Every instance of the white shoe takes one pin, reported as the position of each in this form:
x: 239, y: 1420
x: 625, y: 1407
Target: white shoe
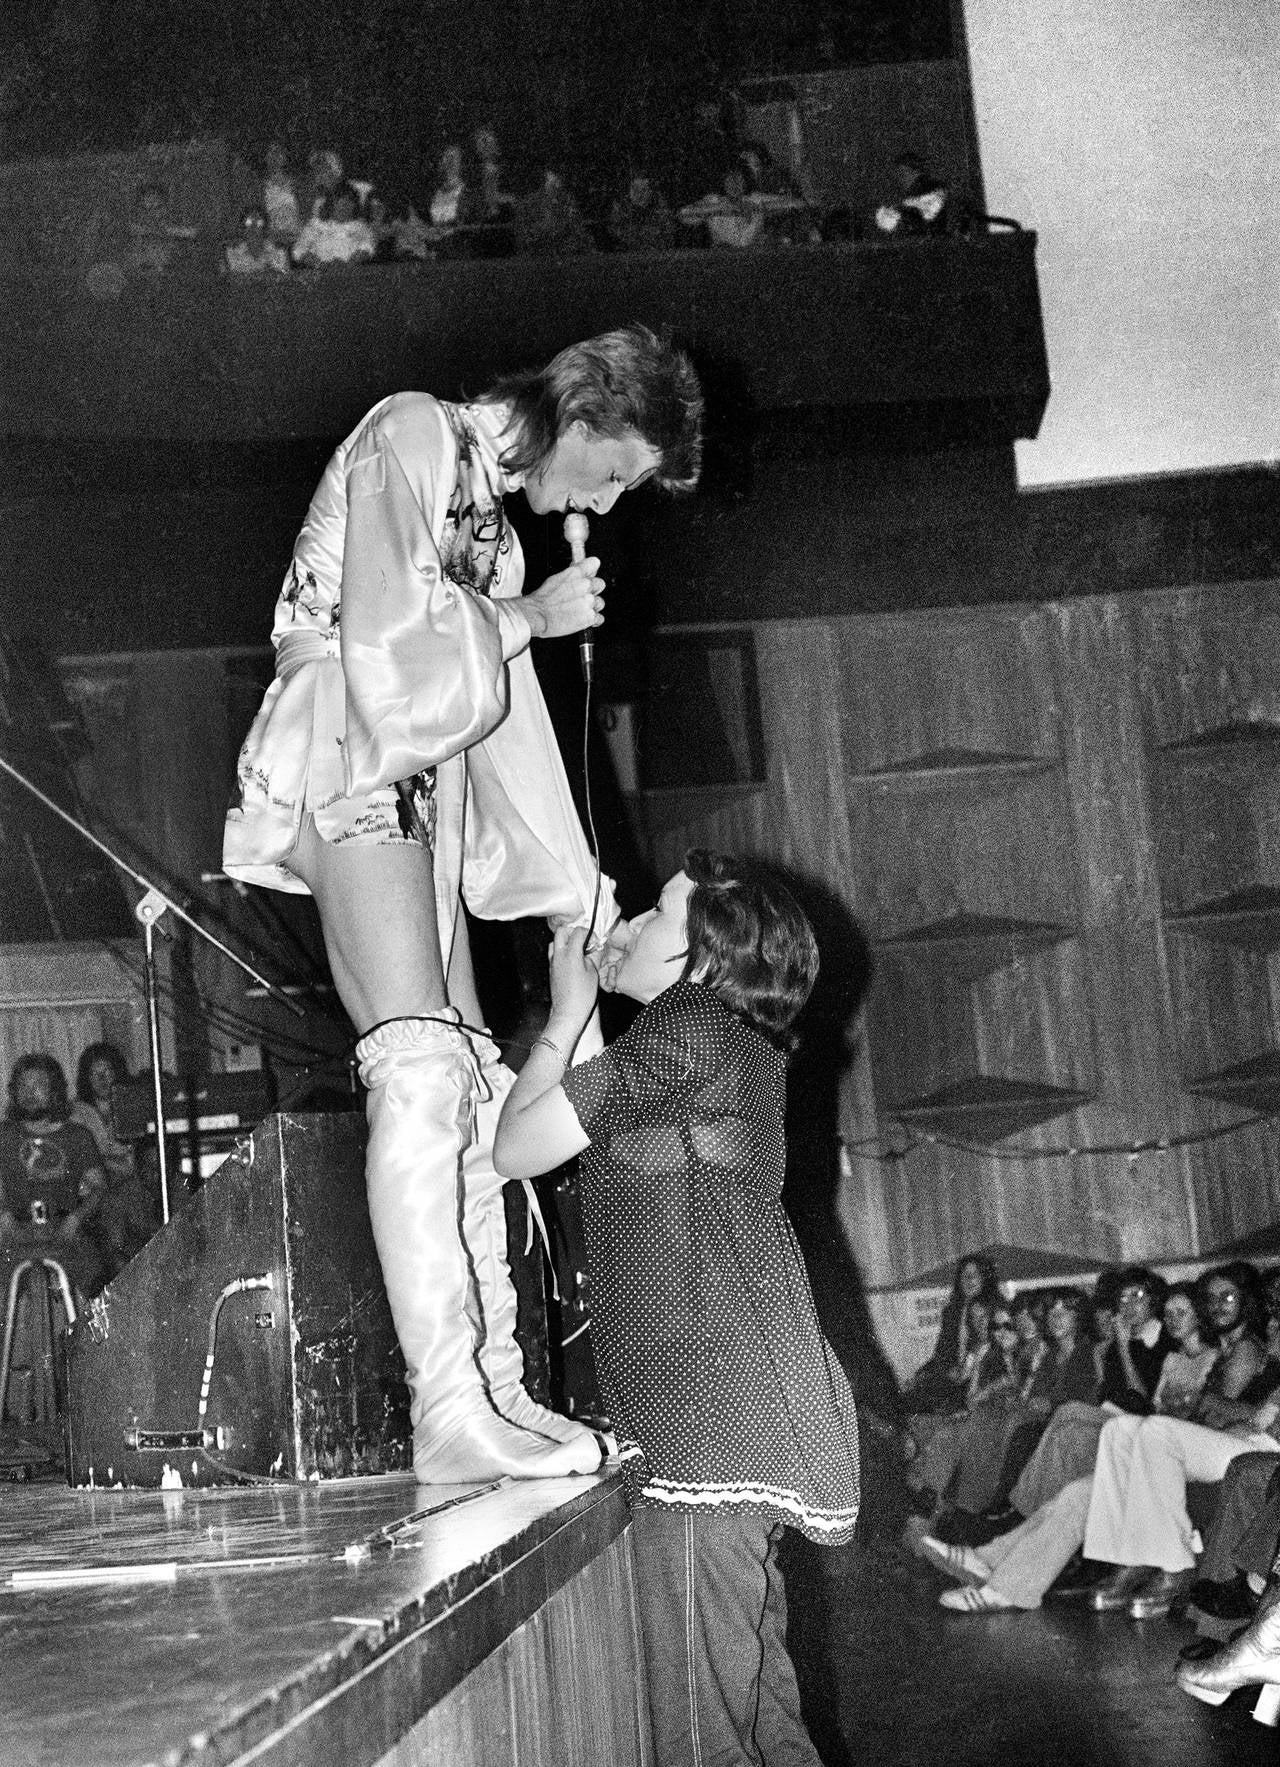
x: 976, y: 1601
x: 960, y: 1562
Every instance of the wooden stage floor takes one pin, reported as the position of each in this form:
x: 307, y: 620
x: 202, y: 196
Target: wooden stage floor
x: 374, y: 1621
x: 302, y: 1623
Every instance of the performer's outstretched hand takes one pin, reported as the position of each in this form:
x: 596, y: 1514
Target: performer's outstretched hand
x: 569, y: 602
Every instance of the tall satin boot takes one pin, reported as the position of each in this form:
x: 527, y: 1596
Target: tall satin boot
x: 422, y: 1084
x: 1251, y: 1660
x: 485, y: 1232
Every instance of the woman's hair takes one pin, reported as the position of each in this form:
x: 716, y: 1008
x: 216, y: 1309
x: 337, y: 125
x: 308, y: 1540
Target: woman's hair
x: 94, y: 1053
x: 1247, y: 1278
x: 986, y: 1269
x: 749, y: 942
x: 27, y: 1064
x: 1031, y: 1301
x: 1073, y: 1298
x: 625, y: 381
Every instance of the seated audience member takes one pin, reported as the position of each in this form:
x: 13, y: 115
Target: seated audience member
x: 991, y: 1463
x: 708, y: 152
x: 787, y: 214
x: 51, y: 1176
x: 448, y: 205
x: 1242, y: 1539
x: 280, y: 201
x: 729, y: 216
x: 922, y: 202
x: 1131, y: 1514
x: 493, y: 202
x: 410, y: 235
x: 1004, y: 1372
x: 1236, y: 1308
x: 549, y: 223
x: 929, y: 1437
x: 640, y: 221
x: 1052, y: 1365
x: 337, y: 235
x: 255, y: 253
x: 324, y: 175
x: 126, y: 1218
x: 1130, y: 1367
x: 377, y: 217
x: 100, y: 1070
x: 1243, y: 1536
x: 938, y: 1384
x: 154, y: 237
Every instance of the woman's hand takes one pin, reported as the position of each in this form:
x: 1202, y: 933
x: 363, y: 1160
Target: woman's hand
x: 609, y: 956
x: 570, y: 601
x: 574, y: 981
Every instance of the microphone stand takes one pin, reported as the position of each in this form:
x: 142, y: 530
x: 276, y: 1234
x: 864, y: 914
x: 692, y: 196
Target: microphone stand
x: 149, y: 911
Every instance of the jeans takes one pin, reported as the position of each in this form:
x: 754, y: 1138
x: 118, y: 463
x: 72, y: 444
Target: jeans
x: 713, y: 1613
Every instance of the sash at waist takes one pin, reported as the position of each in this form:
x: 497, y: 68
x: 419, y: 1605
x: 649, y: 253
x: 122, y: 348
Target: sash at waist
x: 305, y: 646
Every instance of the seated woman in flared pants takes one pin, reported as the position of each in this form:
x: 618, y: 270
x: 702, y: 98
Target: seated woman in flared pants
x: 1131, y: 1514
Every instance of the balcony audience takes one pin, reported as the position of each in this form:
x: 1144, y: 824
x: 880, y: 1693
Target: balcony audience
x: 448, y: 206
x: 639, y: 219
x: 549, y: 223
x: 922, y: 204
x: 280, y: 202
x: 155, y: 239
x: 255, y: 252
x: 337, y: 234
x: 728, y: 216
x: 324, y: 175
x: 493, y: 202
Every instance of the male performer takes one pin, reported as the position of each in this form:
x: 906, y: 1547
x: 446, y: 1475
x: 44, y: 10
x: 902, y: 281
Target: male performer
x: 402, y: 760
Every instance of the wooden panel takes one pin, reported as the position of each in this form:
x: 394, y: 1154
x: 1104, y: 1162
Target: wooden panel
x: 565, y: 1690
x: 1024, y: 797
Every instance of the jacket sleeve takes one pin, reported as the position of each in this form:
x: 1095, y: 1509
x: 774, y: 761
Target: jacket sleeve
x: 422, y: 658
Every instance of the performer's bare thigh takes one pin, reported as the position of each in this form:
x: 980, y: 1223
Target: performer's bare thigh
x: 378, y: 913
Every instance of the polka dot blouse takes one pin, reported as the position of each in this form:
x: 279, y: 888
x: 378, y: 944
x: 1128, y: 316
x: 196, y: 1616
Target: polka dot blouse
x: 720, y: 1386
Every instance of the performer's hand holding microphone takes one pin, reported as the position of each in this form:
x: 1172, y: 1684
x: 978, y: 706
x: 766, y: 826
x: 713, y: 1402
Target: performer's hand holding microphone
x: 575, y: 532
x: 572, y: 599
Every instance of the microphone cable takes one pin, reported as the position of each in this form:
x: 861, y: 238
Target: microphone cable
x: 575, y: 533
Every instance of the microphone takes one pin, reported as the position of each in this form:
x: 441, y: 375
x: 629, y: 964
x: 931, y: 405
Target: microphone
x: 575, y: 532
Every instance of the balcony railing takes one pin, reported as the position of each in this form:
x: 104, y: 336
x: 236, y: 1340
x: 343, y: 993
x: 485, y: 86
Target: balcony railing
x: 196, y: 356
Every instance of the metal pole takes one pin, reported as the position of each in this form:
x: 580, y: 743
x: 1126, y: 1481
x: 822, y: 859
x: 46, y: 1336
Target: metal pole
x: 148, y: 913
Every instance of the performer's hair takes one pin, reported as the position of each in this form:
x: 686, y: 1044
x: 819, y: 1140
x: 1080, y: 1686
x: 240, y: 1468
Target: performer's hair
x: 749, y: 942
x: 629, y: 380
x: 59, y: 1103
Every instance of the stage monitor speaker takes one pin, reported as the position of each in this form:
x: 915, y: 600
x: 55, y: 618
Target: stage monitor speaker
x: 251, y: 1336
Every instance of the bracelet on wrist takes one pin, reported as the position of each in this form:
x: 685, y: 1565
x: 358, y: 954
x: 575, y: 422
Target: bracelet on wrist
x: 554, y: 1048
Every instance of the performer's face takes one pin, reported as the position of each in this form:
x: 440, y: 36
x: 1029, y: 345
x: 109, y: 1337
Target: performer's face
x: 646, y: 955
x: 589, y: 472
